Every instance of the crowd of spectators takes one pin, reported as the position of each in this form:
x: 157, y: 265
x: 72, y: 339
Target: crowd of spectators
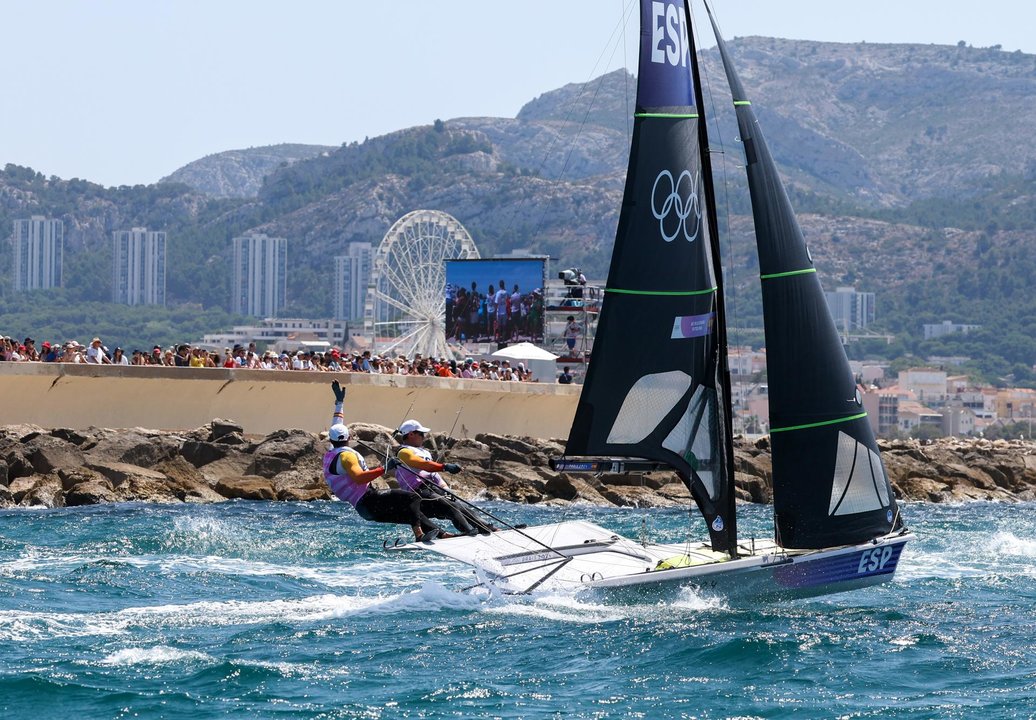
x: 241, y: 356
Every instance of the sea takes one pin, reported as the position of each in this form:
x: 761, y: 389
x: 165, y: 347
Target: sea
x: 285, y: 610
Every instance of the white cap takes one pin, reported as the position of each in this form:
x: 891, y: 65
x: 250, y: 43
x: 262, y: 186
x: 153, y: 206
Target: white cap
x: 338, y: 433
x: 412, y: 426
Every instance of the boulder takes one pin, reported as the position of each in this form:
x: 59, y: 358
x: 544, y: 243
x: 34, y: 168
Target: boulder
x: 69, y: 435
x: 235, y: 464
x: 119, y: 472
x: 220, y: 428
x: 298, y: 479
x: 269, y: 466
x: 247, y: 487
x: 16, y: 462
x: 48, y: 454
x: 137, y: 447
x: 574, y: 488
x: 203, y: 452
x: 94, y: 491
x: 634, y: 496
x: 45, y: 492
x: 282, y: 450
x: 186, y: 482
x: 70, y: 477
x: 297, y: 494
x: 22, y: 485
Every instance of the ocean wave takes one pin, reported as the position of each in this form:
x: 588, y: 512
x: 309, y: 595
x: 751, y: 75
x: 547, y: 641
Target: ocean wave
x: 158, y: 655
x: 1010, y: 545
x: 22, y: 626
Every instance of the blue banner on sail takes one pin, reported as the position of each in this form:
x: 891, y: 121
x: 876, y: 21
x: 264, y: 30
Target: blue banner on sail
x: 665, y: 76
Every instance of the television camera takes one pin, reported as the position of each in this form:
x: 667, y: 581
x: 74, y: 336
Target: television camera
x: 574, y: 280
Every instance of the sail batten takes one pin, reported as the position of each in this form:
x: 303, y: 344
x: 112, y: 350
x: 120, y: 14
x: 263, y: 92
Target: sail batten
x: 660, y: 293
x: 810, y: 426
x: 787, y: 273
x: 679, y: 116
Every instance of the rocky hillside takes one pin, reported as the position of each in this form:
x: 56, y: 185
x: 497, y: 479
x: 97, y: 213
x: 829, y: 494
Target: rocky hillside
x: 240, y: 173
x: 216, y: 462
x: 906, y: 162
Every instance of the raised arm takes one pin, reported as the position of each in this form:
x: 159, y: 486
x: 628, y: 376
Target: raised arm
x: 339, y: 391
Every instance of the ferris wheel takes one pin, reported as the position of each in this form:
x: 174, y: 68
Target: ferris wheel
x: 406, y: 300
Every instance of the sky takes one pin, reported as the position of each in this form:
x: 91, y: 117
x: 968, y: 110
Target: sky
x: 124, y: 92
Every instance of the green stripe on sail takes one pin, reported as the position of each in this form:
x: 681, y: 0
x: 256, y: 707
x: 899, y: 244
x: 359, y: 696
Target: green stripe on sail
x: 675, y: 116
x: 660, y: 293
x: 773, y: 276
x: 820, y: 424
x: 741, y: 102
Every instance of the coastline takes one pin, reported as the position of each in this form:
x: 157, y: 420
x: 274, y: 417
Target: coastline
x: 219, y: 461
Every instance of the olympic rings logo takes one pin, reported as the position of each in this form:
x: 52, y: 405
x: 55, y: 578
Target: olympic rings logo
x: 681, y: 202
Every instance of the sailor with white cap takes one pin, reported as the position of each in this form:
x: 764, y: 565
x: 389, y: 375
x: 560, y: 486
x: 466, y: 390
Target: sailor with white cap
x: 346, y: 473
x: 418, y: 472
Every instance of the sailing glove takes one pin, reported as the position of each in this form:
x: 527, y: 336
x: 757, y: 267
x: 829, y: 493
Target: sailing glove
x: 451, y: 468
x: 338, y: 390
x: 392, y: 464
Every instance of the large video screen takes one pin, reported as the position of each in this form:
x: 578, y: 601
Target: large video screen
x: 497, y: 300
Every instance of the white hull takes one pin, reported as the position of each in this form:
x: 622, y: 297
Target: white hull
x: 581, y: 555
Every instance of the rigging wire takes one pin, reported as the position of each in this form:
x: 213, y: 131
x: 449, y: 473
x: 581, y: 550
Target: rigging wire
x: 729, y: 267
x: 612, y: 42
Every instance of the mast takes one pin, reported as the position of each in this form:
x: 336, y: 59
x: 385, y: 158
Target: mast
x: 725, y: 407
x: 654, y: 388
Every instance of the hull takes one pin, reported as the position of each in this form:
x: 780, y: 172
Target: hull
x: 582, y: 556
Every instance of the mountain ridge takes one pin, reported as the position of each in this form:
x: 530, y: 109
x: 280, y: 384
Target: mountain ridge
x: 898, y: 181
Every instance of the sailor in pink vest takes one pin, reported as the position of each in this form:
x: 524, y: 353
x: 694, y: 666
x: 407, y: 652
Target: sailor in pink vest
x: 418, y: 472
x: 349, y: 478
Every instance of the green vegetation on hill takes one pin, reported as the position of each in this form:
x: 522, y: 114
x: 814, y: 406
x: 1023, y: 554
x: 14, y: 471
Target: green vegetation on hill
x: 906, y: 192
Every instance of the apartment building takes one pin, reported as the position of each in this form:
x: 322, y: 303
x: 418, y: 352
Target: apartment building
x: 138, y: 267
x: 260, y: 275
x: 38, y: 244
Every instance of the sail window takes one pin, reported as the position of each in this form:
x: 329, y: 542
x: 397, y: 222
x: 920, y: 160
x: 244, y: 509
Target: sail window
x: 692, y: 438
x: 650, y: 399
x: 859, y: 481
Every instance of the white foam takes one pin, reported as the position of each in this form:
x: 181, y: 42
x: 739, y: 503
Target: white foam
x: 1009, y: 544
x: 158, y: 655
x: 431, y: 597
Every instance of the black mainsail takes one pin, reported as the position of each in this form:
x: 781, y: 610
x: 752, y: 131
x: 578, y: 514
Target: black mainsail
x: 656, y: 385
x: 830, y: 486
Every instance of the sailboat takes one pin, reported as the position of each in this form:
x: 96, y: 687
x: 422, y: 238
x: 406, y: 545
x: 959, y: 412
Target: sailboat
x: 657, y: 392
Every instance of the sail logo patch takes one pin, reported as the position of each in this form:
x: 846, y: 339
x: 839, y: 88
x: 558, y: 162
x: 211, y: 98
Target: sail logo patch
x: 692, y: 326
x: 668, y: 38
x: 675, y: 205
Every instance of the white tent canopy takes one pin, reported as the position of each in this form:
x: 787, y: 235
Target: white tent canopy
x: 540, y: 362
x: 525, y: 351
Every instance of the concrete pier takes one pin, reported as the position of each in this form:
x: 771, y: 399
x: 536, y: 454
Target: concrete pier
x: 81, y: 396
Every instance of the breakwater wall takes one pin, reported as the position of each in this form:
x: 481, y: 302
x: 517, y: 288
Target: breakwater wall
x: 262, y: 401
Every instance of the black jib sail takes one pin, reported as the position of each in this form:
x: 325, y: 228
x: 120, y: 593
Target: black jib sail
x: 830, y: 487
x: 654, y: 385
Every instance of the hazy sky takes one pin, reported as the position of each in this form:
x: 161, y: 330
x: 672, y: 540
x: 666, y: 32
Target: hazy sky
x: 122, y: 92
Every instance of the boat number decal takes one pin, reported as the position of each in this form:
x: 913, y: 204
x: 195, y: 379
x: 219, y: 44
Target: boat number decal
x: 677, y: 199
x: 874, y: 560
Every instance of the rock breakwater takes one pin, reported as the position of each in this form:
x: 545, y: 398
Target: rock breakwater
x: 218, y: 462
